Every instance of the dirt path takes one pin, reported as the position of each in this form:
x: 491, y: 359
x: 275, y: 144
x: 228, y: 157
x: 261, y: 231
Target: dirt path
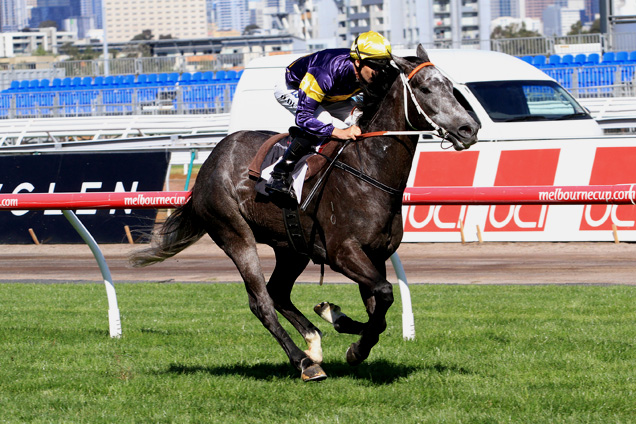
x: 436, y: 263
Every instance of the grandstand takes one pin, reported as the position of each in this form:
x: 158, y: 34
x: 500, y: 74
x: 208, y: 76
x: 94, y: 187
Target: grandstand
x: 591, y: 75
x: 155, y: 93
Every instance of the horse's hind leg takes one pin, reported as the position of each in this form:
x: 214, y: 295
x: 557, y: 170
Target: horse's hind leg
x: 289, y: 265
x: 239, y: 244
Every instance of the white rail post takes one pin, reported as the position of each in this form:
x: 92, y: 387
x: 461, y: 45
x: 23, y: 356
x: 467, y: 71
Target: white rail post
x: 408, y: 321
x: 114, y: 321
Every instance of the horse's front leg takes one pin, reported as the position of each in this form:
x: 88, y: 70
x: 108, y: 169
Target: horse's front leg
x: 377, y: 294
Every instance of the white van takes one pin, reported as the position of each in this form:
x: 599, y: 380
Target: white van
x: 512, y: 99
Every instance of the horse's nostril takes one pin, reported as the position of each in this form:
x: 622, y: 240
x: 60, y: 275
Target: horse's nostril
x: 466, y: 131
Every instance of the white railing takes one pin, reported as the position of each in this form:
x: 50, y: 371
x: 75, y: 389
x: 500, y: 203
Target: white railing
x: 54, y: 132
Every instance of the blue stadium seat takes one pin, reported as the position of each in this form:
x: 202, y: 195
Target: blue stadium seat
x: 24, y: 85
x: 55, y: 84
x: 592, y: 59
x: 567, y: 59
x: 196, y: 78
x: 66, y: 83
x: 579, y: 59
x: 152, y: 79
x: 231, y: 76
x: 555, y: 60
x: 34, y: 85
x: 220, y: 75
x: 539, y: 60
x: 608, y: 58
x: 98, y: 82
x: 208, y: 77
x: 86, y: 82
x: 109, y: 82
x: 15, y: 86
x: 632, y: 57
x: 128, y: 81
x: 76, y: 82
x: 162, y: 79
x: 142, y: 80
x: 173, y: 78
x: 622, y: 57
x: 527, y: 59
x: 44, y: 84
x: 185, y: 78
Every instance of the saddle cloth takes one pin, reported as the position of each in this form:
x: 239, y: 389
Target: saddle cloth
x: 272, y: 150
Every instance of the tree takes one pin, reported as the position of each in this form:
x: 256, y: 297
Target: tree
x: 513, y: 30
x: 577, y: 28
x: 48, y: 24
x: 145, y: 35
x: 74, y: 52
x: 166, y: 37
x: 250, y: 29
x: 40, y: 51
x: 70, y: 50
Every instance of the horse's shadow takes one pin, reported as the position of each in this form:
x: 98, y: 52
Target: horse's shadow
x: 379, y: 372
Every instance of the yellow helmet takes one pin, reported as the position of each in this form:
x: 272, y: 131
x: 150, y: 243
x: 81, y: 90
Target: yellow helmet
x: 370, y: 45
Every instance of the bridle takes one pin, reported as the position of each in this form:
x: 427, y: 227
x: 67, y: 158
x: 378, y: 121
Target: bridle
x: 408, y: 92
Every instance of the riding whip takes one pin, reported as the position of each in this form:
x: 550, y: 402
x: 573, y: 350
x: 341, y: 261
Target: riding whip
x: 315, y: 188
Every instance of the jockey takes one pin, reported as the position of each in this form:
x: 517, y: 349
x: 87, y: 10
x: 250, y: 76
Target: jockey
x: 318, y: 89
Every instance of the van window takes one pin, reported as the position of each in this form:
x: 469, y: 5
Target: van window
x: 511, y: 101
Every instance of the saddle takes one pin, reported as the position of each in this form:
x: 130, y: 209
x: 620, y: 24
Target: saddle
x: 269, y: 153
x: 274, y: 147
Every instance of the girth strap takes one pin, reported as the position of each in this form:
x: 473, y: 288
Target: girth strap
x: 291, y: 218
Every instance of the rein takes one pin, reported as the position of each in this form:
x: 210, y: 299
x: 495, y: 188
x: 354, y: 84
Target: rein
x: 359, y: 174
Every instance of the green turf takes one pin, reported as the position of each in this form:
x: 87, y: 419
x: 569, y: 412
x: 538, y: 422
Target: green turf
x: 193, y: 353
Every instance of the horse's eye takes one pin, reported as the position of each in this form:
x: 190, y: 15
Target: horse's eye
x: 425, y: 90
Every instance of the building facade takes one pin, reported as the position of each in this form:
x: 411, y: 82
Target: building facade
x: 231, y: 15
x: 177, y: 18
x: 26, y: 43
x: 436, y: 23
x: 13, y: 15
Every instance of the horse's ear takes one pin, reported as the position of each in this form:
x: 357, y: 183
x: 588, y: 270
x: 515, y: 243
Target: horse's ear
x: 421, y: 53
x: 401, y: 62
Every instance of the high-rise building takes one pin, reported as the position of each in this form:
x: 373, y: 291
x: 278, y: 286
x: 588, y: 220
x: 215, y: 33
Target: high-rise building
x: 507, y: 8
x: 13, y: 15
x: 53, y: 10
x: 535, y: 8
x: 177, y: 18
x: 231, y: 15
x: 451, y: 23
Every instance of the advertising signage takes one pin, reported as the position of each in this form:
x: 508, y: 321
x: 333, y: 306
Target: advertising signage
x: 80, y: 173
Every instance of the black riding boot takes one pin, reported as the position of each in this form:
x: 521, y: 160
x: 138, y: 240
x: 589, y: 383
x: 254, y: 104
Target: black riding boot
x: 280, y: 179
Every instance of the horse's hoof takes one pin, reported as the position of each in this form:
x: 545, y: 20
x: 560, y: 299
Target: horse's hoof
x: 352, y: 359
x: 328, y: 311
x: 313, y: 373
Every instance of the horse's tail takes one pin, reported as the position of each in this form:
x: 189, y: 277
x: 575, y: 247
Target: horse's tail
x: 180, y: 230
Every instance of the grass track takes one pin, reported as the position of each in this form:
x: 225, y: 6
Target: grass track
x: 193, y: 353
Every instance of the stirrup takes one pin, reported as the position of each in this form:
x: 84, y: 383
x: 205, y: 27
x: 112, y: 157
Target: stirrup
x: 278, y: 185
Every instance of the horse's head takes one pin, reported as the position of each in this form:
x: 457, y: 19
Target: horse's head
x: 431, y: 103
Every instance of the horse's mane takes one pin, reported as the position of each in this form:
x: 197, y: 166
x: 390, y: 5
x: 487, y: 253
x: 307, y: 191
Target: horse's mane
x: 374, y: 93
